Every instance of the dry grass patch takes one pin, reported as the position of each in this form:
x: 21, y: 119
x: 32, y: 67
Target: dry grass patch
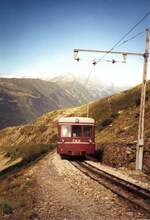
x: 16, y: 199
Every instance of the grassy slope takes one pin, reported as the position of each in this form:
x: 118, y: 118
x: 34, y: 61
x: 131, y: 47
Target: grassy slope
x: 16, y: 196
x: 116, y: 131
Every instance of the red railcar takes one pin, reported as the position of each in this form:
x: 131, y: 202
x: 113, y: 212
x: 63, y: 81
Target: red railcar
x: 76, y: 136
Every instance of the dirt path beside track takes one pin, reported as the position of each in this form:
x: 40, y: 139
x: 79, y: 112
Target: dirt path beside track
x: 63, y: 192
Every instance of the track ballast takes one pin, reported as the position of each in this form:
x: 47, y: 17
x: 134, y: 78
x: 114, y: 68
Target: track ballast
x: 130, y: 191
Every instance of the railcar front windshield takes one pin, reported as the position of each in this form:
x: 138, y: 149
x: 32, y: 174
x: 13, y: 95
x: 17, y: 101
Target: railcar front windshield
x: 76, y: 131
x: 87, y: 131
x: 66, y: 131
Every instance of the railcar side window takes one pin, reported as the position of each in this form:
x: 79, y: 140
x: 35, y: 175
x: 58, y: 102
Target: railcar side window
x: 76, y: 131
x: 87, y: 131
x: 65, y: 131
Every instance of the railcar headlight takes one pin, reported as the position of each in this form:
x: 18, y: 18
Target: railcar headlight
x: 90, y: 141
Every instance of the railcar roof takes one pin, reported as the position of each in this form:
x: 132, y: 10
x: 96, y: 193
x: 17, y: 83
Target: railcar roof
x: 76, y: 120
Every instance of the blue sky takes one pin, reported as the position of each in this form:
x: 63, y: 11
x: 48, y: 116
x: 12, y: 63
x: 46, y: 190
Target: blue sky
x: 37, y: 37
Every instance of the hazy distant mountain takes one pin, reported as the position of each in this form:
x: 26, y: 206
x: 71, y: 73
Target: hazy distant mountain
x: 24, y: 99
x: 95, y: 87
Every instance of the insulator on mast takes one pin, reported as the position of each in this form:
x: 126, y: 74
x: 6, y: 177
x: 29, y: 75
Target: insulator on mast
x: 94, y: 63
x: 77, y: 59
x: 75, y: 54
x: 113, y: 61
x: 124, y: 57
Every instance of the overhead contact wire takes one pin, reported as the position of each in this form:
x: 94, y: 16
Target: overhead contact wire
x: 124, y: 36
x: 132, y: 38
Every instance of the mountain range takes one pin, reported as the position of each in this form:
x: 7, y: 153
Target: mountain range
x: 22, y: 100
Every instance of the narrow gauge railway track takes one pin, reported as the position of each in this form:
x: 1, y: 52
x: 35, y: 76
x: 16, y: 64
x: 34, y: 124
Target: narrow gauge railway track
x: 130, y: 191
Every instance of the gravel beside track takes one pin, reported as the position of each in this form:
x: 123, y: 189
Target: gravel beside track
x: 64, y: 192
x: 129, y: 175
x: 127, y: 190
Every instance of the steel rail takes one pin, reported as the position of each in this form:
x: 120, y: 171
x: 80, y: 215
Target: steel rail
x: 127, y: 190
x: 137, y: 188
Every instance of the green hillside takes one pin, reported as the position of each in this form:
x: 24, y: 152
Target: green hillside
x: 116, y: 128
